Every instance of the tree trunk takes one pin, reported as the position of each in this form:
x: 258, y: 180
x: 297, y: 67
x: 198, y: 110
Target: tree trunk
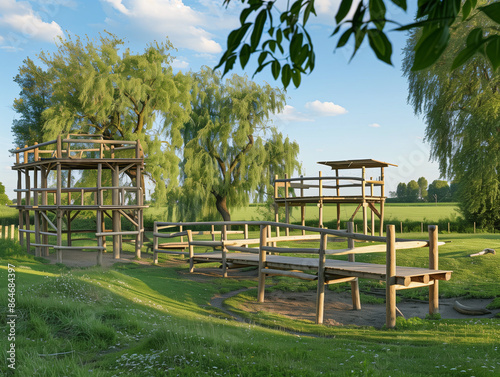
x: 220, y: 202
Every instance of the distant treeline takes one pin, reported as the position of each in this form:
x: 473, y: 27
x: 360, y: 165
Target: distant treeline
x: 421, y: 191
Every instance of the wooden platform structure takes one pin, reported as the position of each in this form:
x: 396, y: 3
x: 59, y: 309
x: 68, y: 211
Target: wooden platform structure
x: 324, y: 190
x: 61, y: 159
x: 265, y: 253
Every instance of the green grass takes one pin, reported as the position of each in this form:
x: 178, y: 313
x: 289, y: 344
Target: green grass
x: 135, y: 320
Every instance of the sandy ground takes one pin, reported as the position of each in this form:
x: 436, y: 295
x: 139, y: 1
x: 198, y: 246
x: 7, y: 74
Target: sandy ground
x: 296, y: 305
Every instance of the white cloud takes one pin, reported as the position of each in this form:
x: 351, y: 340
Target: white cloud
x: 19, y: 22
x: 179, y: 63
x: 290, y: 114
x: 374, y: 125
x: 325, y: 108
x: 184, y: 26
x: 118, y: 5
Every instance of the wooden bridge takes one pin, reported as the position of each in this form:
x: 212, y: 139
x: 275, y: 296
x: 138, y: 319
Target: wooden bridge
x: 265, y: 253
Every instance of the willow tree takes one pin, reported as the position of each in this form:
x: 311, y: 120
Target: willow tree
x: 461, y: 108
x: 225, y: 148
x: 33, y: 100
x: 99, y: 87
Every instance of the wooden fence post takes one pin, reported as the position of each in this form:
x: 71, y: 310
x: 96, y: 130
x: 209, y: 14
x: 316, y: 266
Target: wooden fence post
x: 155, y: 243
x: 433, y: 265
x: 320, y: 294
x: 191, y: 250
x: 224, y: 250
x: 356, y: 301
x: 262, y: 263
x: 390, y: 289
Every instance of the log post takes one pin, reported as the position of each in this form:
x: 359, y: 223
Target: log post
x: 302, y: 206
x: 363, y: 189
x: 382, y: 201
x: 287, y: 208
x: 320, y: 193
x: 262, y: 263
x: 320, y: 294
x: 191, y: 250
x: 390, y: 288
x: 37, y: 213
x: 224, y: 250
x: 338, y: 194
x: 155, y: 243
x: 276, y: 206
x: 59, y: 212
x: 245, y: 233
x: 356, y: 300
x: 115, y: 199
x: 433, y: 265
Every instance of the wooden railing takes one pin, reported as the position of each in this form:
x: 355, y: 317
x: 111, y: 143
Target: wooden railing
x: 72, y: 148
x: 315, y: 186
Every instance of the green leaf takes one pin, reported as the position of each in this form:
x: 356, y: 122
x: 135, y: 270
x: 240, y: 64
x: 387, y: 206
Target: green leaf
x: 245, y: 55
x: 235, y: 37
x: 307, y: 12
x: 475, y: 36
x: 296, y: 44
x: 262, y: 57
x: 377, y: 13
x: 400, y: 3
x: 229, y: 63
x: 466, y: 9
x: 493, y: 51
x: 380, y: 45
x: 344, y: 38
x: 492, y: 11
x: 463, y: 56
x: 286, y: 75
x: 429, y: 49
x: 258, y: 28
x: 296, y: 76
x: 275, y: 68
x: 344, y: 8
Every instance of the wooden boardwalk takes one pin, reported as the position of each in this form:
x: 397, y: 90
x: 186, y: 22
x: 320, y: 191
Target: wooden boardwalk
x: 406, y: 277
x: 272, y: 260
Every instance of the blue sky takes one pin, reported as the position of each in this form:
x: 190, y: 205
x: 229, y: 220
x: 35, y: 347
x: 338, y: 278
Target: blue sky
x: 341, y: 111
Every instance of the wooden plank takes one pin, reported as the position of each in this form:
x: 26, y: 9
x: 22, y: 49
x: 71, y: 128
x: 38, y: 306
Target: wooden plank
x: 163, y: 251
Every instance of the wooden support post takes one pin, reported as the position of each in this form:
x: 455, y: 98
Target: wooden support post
x: 365, y: 204
x: 36, y: 156
x: 155, y: 243
x: 320, y: 294
x: 45, y: 225
x: 99, y: 220
x: 262, y: 263
x: 213, y: 232
x: 433, y: 265
x: 191, y: 250
x: 37, y: 213
x: 59, y: 211
x: 245, y: 232
x: 139, y: 198
x: 19, y: 203
x: 68, y: 213
x: 276, y: 206
x: 224, y: 250
x: 287, y: 209
x: 115, y: 199
x: 390, y: 289
x: 320, y: 200
x: 12, y: 232
x: 338, y: 194
x: 27, y: 202
x: 356, y: 301
x: 302, y: 206
x: 382, y: 201
x: 372, y: 215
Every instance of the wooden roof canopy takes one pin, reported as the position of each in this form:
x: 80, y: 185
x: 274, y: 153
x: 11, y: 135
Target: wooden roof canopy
x: 356, y: 164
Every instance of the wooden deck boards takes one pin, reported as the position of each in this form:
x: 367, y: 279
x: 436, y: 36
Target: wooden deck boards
x: 332, y: 266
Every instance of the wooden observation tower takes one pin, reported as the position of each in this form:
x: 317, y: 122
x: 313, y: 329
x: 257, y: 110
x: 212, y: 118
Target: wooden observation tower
x: 54, y: 208
x: 368, y: 194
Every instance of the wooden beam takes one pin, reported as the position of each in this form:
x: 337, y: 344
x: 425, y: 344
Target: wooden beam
x: 390, y: 288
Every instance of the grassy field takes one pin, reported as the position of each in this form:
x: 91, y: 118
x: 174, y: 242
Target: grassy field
x: 137, y: 320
